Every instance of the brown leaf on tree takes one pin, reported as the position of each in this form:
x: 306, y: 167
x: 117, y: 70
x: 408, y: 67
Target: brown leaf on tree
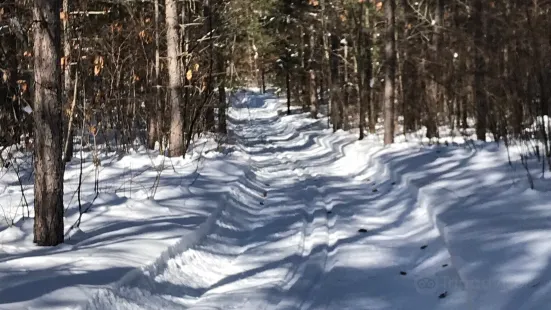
x: 23, y: 85
x: 98, y: 65
x: 93, y: 130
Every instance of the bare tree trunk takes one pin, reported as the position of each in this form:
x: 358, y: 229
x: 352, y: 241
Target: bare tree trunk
x: 68, y: 151
x: 364, y: 67
x: 326, y: 63
x: 174, y: 76
x: 390, y: 70
x: 334, y: 86
x: 434, y: 90
x: 312, y: 73
x: 154, y: 130
x: 222, y: 128
x: 10, y: 113
x: 479, y: 63
x: 48, y: 134
x: 209, y: 109
x: 263, y: 77
x: 288, y: 84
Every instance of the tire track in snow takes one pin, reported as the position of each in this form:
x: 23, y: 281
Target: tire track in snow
x: 186, y: 274
x: 305, y: 219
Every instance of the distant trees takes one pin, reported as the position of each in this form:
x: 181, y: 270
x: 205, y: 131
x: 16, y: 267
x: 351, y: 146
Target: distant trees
x: 463, y: 64
x: 153, y: 72
x: 160, y: 72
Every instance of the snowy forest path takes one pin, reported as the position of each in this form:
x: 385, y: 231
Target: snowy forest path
x: 308, y: 225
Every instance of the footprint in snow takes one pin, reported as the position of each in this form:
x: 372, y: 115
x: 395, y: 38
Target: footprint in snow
x: 443, y: 295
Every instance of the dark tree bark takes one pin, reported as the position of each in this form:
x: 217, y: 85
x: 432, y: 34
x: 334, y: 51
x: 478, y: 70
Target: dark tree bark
x: 154, y: 131
x: 365, y: 68
x: 480, y: 67
x: 209, y: 109
x: 48, y: 132
x: 434, y: 89
x: 10, y: 112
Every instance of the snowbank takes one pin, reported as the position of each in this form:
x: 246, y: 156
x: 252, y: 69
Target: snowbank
x: 494, y: 226
x: 125, y: 232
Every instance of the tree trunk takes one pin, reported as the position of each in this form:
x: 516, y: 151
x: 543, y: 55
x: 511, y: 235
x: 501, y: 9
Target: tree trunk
x: 479, y: 64
x: 48, y: 133
x: 325, y: 70
x: 222, y: 128
x: 67, y: 90
x: 434, y: 89
x: 364, y: 67
x: 10, y: 112
x: 334, y: 84
x: 174, y: 76
x: 263, y: 77
x: 390, y: 70
x: 288, y: 84
x: 209, y: 109
x: 312, y: 74
x: 154, y: 130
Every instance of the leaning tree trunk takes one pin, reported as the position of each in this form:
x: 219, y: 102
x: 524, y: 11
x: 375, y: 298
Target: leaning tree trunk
x: 390, y: 70
x: 174, y: 76
x: 67, y: 83
x: 48, y: 132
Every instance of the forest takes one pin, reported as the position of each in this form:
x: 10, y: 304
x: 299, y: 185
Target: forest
x: 275, y: 154
x: 159, y: 73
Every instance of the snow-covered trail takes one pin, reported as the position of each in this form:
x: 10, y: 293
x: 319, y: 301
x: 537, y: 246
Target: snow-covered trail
x: 291, y: 233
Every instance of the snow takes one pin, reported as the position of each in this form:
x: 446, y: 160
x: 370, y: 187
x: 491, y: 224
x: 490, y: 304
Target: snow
x: 293, y: 216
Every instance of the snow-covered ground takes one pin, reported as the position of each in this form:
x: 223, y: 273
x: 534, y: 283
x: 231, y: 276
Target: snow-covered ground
x: 292, y: 216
